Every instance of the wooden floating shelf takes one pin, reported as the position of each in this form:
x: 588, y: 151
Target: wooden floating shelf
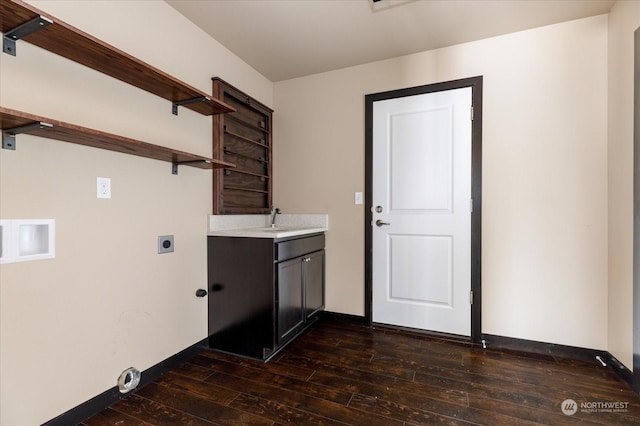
x: 58, y: 130
x: 72, y: 43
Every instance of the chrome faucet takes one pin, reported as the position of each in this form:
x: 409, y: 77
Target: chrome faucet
x: 274, y: 212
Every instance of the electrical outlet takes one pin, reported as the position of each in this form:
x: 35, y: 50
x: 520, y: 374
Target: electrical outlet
x: 165, y: 244
x: 358, y: 198
x: 103, y: 187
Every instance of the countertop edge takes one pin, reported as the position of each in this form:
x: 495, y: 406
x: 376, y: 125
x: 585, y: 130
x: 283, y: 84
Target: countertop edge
x: 258, y: 233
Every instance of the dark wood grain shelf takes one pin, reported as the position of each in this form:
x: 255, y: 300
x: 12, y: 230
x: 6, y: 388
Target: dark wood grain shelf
x: 246, y: 172
x: 237, y: 154
x: 237, y: 188
x: 72, y: 43
x: 258, y: 125
x: 58, y: 130
x: 259, y: 142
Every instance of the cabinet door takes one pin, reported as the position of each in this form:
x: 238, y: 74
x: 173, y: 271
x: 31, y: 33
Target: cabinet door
x: 289, y: 298
x: 241, y: 295
x: 314, y: 283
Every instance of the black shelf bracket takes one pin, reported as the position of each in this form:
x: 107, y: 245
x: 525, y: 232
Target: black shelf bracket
x: 176, y: 104
x: 9, y: 135
x: 174, y: 166
x: 23, y: 30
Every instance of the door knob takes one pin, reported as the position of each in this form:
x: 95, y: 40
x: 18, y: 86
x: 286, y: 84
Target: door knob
x: 201, y: 292
x: 380, y: 223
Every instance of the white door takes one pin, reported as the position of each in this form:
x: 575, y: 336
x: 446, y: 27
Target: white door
x: 422, y: 206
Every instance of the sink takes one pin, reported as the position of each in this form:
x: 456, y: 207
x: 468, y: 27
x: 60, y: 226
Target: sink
x: 279, y: 229
x: 282, y: 231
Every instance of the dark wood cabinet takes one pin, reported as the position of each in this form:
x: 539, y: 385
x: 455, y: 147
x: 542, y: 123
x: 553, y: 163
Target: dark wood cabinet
x: 300, y: 287
x: 289, y: 298
x: 314, y: 283
x: 242, y: 137
x: 263, y: 292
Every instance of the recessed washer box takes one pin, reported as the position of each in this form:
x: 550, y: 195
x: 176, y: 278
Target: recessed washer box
x: 22, y: 240
x: 165, y: 244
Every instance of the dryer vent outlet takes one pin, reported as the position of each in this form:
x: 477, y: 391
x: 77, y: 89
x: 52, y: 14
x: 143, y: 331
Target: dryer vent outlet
x: 129, y: 380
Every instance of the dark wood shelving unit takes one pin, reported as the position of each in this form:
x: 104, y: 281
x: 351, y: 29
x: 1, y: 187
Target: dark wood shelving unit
x: 14, y: 122
x: 65, y: 40
x: 244, y: 138
x: 21, y: 21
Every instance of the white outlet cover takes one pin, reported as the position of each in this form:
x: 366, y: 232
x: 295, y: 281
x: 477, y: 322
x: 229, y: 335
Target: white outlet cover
x: 358, y: 198
x: 103, y: 186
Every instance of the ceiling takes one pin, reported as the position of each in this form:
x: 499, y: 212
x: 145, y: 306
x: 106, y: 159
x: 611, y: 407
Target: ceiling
x: 284, y: 39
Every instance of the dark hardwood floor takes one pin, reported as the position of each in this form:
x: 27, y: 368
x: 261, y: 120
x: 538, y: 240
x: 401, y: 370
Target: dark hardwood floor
x: 343, y: 374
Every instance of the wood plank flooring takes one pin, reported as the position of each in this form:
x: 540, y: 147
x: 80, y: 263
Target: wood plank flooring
x: 343, y: 374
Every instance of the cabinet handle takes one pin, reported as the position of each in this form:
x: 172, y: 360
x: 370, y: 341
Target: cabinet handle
x: 306, y: 259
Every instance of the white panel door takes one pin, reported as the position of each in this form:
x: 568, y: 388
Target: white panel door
x: 422, y: 211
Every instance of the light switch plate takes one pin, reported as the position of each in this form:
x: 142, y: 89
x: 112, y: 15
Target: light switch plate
x: 358, y: 198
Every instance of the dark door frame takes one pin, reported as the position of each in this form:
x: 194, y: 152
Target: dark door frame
x: 476, y: 191
x: 635, y: 380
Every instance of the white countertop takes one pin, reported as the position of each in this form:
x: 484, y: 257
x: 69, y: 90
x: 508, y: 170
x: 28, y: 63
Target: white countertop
x: 258, y: 226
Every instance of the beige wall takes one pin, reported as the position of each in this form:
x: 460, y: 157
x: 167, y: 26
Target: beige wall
x: 544, y: 257
x: 70, y: 326
x: 624, y: 19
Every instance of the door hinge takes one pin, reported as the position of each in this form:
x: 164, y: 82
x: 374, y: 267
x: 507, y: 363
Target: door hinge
x: 471, y: 297
x: 471, y: 205
x: 471, y: 113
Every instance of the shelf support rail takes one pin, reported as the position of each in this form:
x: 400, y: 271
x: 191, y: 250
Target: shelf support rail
x: 174, y: 166
x: 9, y: 135
x: 21, y: 31
x: 176, y: 104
